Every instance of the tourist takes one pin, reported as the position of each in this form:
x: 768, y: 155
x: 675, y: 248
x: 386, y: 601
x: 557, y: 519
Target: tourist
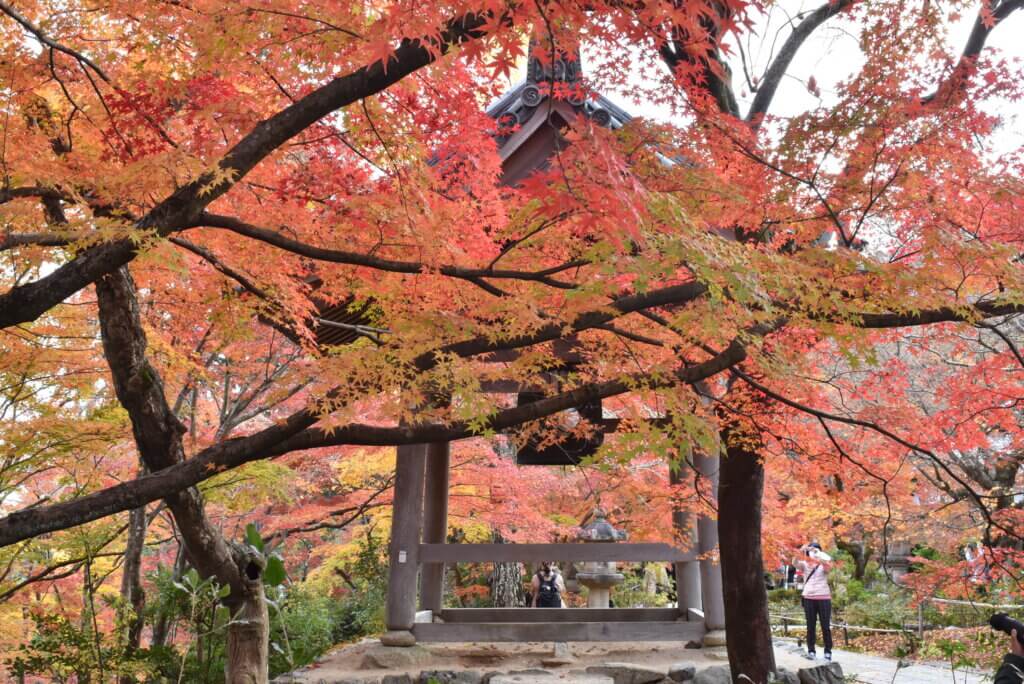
x: 816, y: 596
x: 548, y: 586
x: 1012, y: 669
x: 978, y: 571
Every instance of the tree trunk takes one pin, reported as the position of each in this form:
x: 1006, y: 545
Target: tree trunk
x: 248, y: 637
x: 158, y: 437
x: 507, y: 583
x: 861, y: 553
x: 131, y: 581
x: 507, y: 586
x: 747, y: 627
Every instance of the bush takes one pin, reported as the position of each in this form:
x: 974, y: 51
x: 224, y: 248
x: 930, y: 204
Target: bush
x: 302, y: 626
x: 361, y: 611
x: 785, y: 597
x: 886, y: 610
x: 632, y: 593
x: 60, y: 650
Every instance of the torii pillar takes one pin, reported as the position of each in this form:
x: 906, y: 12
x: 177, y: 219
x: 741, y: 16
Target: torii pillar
x: 710, y: 570
x: 687, y: 572
x: 419, y: 509
x: 404, y: 549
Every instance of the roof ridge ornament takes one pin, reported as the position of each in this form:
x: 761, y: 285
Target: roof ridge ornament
x: 552, y: 91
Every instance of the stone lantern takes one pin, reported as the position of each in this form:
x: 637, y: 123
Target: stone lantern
x: 597, y: 576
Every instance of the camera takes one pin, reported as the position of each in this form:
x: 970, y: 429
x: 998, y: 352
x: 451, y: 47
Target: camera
x: 1004, y: 623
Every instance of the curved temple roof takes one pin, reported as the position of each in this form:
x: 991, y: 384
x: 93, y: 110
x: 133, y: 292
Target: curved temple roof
x: 525, y: 143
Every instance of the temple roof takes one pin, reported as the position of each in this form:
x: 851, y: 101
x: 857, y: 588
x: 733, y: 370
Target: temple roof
x: 525, y: 97
x: 525, y: 142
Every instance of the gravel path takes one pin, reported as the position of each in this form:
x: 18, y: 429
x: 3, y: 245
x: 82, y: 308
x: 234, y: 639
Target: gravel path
x: 877, y: 670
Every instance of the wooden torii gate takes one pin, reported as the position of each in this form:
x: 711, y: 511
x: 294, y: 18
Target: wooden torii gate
x: 419, y: 553
x: 420, y: 515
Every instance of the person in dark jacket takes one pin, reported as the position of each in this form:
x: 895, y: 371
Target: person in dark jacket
x: 548, y: 587
x: 1012, y: 669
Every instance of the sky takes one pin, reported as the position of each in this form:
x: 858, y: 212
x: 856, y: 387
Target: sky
x: 833, y: 54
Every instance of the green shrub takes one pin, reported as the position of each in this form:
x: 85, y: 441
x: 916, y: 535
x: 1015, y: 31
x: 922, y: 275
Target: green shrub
x: 361, y: 611
x: 891, y: 609
x: 632, y: 593
x: 61, y: 650
x: 784, y: 596
x: 302, y: 626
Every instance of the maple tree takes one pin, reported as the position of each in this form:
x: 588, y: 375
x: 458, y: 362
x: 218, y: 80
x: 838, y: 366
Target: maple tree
x: 829, y: 295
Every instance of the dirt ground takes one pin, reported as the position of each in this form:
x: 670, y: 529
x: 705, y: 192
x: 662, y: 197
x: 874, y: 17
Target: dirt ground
x: 346, y: 662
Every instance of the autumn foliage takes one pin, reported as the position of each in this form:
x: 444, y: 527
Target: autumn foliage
x: 842, y: 280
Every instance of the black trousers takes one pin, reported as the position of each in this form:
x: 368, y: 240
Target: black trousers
x: 814, y: 608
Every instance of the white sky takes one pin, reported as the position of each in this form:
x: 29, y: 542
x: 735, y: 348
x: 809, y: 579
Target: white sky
x: 832, y: 54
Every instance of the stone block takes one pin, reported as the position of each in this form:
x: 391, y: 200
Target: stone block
x: 714, y: 638
x: 830, y: 673
x: 682, y: 672
x: 531, y: 677
x: 627, y: 673
x: 397, y: 679
x: 449, y: 677
x: 398, y: 638
x: 784, y: 676
x: 393, y: 657
x: 716, y: 674
x: 561, y: 657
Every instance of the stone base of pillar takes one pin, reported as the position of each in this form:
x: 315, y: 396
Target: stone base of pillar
x: 398, y: 638
x: 715, y: 638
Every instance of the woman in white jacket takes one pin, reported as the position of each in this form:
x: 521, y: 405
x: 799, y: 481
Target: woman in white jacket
x: 816, y: 596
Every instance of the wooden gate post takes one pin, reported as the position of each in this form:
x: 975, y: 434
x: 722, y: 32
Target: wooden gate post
x: 687, y: 572
x: 406, y: 524
x: 707, y: 542
x: 435, y: 522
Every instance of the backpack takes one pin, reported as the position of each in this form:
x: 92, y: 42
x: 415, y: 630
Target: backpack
x: 547, y: 592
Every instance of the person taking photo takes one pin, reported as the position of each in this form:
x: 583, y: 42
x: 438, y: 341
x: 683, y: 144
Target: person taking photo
x: 816, y: 596
x: 1011, y: 671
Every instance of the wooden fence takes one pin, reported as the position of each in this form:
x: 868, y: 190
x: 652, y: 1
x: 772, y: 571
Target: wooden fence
x: 919, y: 629
x: 786, y: 620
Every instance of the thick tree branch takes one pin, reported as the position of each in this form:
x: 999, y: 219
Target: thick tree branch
x: 8, y: 194
x: 777, y: 70
x: 285, y: 438
x: 968, y: 314
x: 714, y: 74
x: 666, y: 296
x: 156, y: 429
x: 12, y: 240
x: 985, y: 23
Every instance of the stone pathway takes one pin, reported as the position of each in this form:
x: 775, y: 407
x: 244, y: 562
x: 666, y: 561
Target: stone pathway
x: 877, y: 670
x: 368, y: 662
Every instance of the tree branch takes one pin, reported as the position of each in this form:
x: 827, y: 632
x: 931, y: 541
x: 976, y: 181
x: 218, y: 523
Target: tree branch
x: 183, y: 208
x: 369, y: 261
x: 288, y: 436
x: 983, y: 27
x: 49, y: 42
x: 777, y: 70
